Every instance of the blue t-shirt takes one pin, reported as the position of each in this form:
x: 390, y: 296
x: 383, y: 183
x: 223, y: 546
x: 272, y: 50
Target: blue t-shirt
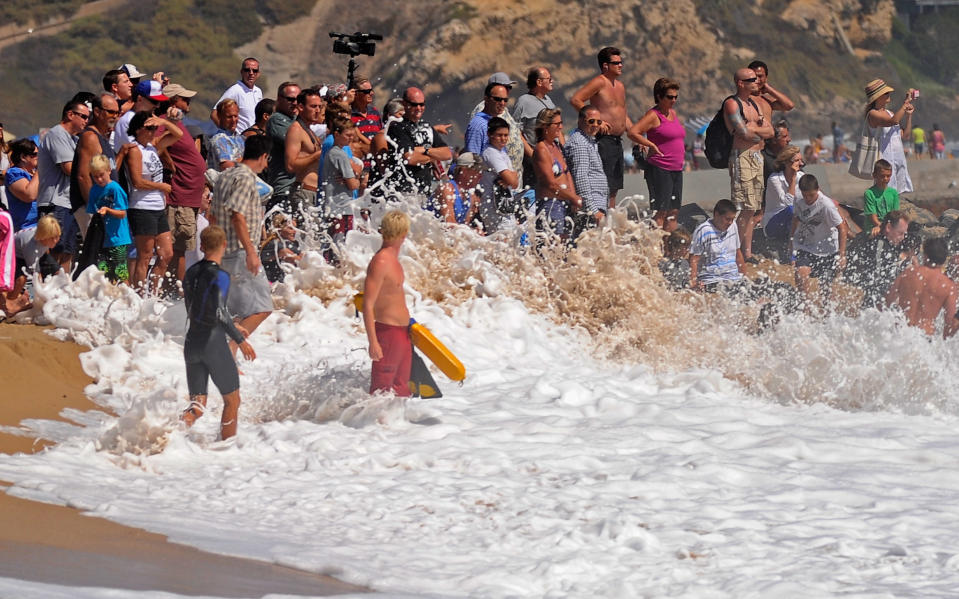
x: 476, y: 133
x: 22, y: 213
x: 112, y: 196
x: 327, y: 145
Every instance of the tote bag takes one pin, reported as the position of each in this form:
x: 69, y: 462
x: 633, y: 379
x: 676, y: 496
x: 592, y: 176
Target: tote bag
x: 867, y: 153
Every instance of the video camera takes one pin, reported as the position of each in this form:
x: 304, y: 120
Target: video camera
x: 355, y: 44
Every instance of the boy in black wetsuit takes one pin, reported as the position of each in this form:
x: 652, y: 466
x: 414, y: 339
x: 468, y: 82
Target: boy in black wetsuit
x: 205, y: 349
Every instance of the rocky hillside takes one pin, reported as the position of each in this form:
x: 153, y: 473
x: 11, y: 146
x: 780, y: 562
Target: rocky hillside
x: 820, y: 52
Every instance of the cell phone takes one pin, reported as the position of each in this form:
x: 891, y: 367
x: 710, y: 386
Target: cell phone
x: 915, y: 94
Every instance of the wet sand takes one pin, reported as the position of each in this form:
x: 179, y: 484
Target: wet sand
x: 59, y: 545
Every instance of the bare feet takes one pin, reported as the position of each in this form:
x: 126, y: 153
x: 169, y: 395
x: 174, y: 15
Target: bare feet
x: 193, y: 413
x: 15, y: 305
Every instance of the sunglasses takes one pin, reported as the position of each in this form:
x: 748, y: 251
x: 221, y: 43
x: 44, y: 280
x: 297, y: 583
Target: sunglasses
x: 750, y: 80
x: 593, y: 121
x: 110, y: 112
x: 556, y: 123
x: 290, y: 99
x: 674, y: 97
x: 249, y: 70
x: 616, y: 63
x: 365, y: 91
x: 151, y: 128
x: 33, y: 154
x: 415, y: 104
x: 83, y: 117
x: 496, y: 99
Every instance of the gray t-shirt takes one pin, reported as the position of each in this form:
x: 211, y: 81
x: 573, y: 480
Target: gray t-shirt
x: 337, y: 168
x: 525, y: 112
x: 56, y: 148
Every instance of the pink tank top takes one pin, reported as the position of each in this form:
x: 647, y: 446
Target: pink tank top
x: 669, y: 137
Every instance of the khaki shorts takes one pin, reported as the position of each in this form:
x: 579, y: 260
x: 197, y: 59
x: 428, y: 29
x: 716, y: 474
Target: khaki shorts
x: 182, y: 221
x: 746, y: 179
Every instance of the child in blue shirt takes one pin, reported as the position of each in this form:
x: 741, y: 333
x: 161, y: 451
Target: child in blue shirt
x: 109, y: 200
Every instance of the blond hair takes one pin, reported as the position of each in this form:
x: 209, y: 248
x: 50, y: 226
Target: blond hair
x: 226, y: 103
x: 395, y: 225
x: 47, y: 228
x: 212, y: 238
x: 100, y: 164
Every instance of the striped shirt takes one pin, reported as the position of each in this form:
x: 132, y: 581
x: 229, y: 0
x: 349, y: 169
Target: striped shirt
x: 718, y: 251
x: 586, y: 167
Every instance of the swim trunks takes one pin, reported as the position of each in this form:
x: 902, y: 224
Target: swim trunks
x: 611, y: 153
x: 392, y: 371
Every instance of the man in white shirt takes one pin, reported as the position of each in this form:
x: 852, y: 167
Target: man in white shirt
x: 245, y: 93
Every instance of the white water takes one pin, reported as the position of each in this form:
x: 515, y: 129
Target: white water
x: 610, y: 440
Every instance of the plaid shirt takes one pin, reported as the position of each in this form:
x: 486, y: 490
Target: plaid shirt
x: 235, y: 191
x: 586, y: 167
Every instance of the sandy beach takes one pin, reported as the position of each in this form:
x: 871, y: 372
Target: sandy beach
x: 42, y: 376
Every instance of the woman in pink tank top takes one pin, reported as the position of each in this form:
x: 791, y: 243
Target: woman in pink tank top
x: 664, y: 176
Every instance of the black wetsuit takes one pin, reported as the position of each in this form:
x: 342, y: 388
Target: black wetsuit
x: 205, y: 349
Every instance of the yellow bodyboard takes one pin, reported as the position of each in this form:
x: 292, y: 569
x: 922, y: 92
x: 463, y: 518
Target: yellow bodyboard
x: 432, y: 348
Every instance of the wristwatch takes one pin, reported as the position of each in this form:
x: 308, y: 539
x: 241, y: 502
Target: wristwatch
x: 426, y: 149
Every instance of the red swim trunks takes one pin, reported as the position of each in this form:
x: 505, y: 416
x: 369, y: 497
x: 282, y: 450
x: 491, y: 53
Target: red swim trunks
x: 392, y: 371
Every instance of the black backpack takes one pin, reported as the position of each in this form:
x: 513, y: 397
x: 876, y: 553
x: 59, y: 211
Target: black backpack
x: 719, y: 139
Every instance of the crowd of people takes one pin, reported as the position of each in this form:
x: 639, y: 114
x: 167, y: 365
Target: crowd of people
x: 123, y: 184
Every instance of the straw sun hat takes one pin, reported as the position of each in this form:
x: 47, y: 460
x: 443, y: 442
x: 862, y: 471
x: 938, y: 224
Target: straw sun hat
x: 875, y: 89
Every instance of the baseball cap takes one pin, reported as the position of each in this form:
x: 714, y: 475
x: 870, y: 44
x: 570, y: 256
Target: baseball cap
x: 151, y: 89
x: 468, y: 160
x: 500, y: 78
x: 176, y: 90
x: 130, y: 70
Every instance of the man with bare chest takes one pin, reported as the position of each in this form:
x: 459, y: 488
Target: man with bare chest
x: 749, y: 126
x: 922, y: 292
x: 385, y: 314
x: 607, y: 94
x: 304, y: 150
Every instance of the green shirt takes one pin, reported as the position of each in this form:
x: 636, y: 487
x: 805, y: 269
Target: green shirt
x: 878, y: 202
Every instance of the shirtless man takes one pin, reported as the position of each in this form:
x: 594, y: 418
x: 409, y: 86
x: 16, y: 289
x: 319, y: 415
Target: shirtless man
x: 766, y: 96
x: 385, y: 314
x: 303, y: 151
x: 749, y: 127
x: 607, y: 93
x: 922, y: 292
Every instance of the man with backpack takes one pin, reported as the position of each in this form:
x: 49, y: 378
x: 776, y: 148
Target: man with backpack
x: 748, y: 126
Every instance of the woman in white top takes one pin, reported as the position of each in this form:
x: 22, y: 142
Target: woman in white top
x: 890, y: 128
x: 781, y: 192
x: 147, y: 212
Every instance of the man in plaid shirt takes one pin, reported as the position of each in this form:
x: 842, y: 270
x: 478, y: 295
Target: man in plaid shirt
x: 586, y: 166
x: 237, y: 208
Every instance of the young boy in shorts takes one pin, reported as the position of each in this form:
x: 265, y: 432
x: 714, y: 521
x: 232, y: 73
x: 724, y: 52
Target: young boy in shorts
x: 880, y: 199
x: 818, y: 239
x: 385, y: 314
x: 205, y: 349
x: 109, y: 200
